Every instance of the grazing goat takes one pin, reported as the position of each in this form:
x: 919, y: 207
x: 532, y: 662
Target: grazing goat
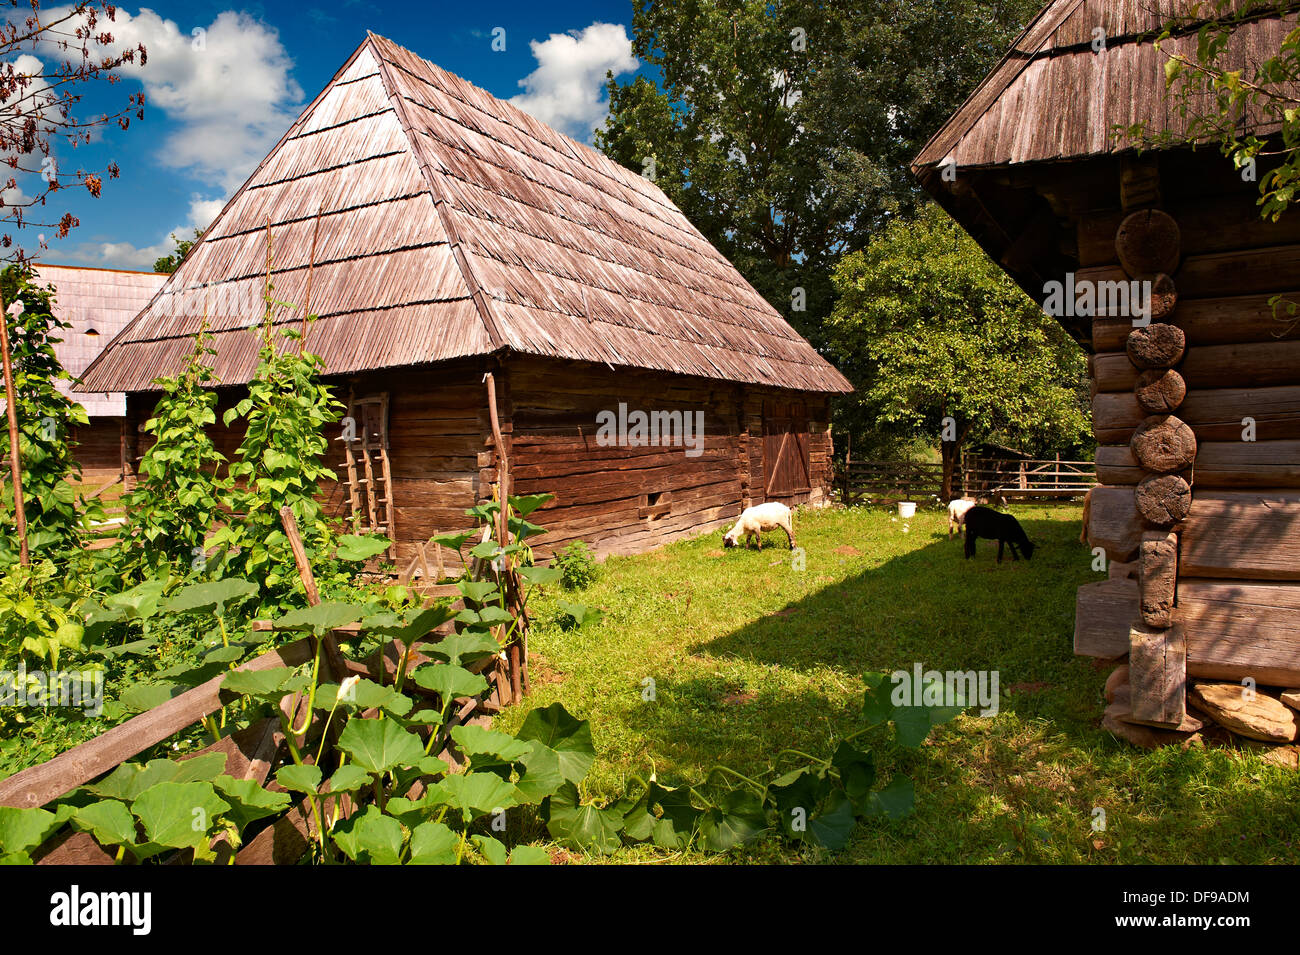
x: 757, y: 519
x: 957, y: 513
x: 994, y: 525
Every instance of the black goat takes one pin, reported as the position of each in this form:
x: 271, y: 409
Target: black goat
x: 994, y: 525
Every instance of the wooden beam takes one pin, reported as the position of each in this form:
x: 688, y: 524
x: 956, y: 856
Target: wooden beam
x: 1158, y: 675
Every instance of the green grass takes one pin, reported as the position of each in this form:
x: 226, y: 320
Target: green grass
x: 750, y: 657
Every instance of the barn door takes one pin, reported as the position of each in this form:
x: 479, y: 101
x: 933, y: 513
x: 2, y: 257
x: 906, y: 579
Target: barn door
x: 785, y: 449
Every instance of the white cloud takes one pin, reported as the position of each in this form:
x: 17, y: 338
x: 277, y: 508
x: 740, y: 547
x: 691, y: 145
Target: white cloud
x: 566, y: 90
x: 124, y: 255
x: 226, y: 88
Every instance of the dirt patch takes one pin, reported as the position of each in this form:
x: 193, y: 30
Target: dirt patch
x: 847, y: 550
x: 787, y: 612
x: 541, y: 672
x: 740, y: 698
x: 713, y: 553
x: 561, y: 857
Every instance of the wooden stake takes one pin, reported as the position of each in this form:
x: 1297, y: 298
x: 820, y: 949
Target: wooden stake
x: 332, y: 653
x: 15, y: 459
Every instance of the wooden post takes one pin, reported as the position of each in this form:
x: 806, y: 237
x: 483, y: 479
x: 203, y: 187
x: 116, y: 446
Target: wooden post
x: 15, y: 458
x: 514, y: 660
x: 338, y: 666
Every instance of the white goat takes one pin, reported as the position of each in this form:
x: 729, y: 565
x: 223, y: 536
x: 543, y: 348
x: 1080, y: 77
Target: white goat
x: 957, y: 513
x: 757, y: 519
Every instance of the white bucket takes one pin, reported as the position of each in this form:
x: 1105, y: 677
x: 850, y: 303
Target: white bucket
x: 906, y: 509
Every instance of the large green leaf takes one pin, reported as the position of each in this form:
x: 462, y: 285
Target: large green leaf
x: 353, y: 547
x: 140, y: 602
x: 108, y: 821
x: 321, y: 618
x: 210, y: 596
x: 796, y: 796
x: 475, y: 794
x: 588, y: 828
x: 541, y: 575
x: 129, y: 780
x: 407, y: 630
x: 857, y: 770
x: 363, y: 695
x: 268, y: 685
x: 894, y: 801
x: 380, y: 745
x: 299, y: 777
x: 541, y: 772
x: 833, y: 824
x: 370, y: 838
x: 23, y: 829
x: 179, y: 815
x: 738, y: 817
x: 448, y: 681
x: 432, y: 843
x: 476, y: 740
x: 249, y: 801
x: 570, y: 739
x: 477, y: 591
x: 525, y: 504
x: 465, y: 647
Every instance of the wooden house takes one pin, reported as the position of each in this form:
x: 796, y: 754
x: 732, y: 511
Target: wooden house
x: 97, y: 304
x: 441, y: 233
x: 1196, y: 393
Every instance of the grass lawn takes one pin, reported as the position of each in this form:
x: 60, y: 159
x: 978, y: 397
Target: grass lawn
x: 750, y: 657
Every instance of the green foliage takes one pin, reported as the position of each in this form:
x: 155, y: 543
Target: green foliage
x: 577, y: 565
x: 45, y: 421
x: 927, y: 327
x: 170, y: 263
x: 280, y: 465
x: 179, y: 496
x: 31, y: 623
x: 1211, y: 99
x: 784, y: 130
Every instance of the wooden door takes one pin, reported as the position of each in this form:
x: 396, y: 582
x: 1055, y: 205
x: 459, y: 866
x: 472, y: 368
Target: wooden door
x: 785, y: 449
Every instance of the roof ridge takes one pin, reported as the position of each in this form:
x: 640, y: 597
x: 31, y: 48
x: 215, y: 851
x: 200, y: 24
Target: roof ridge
x: 440, y: 205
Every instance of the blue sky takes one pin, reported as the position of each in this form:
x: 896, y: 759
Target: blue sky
x: 214, y: 111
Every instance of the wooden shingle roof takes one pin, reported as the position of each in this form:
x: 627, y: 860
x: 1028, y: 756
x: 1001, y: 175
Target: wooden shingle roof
x: 1055, y: 97
x: 98, y: 304
x: 454, y: 224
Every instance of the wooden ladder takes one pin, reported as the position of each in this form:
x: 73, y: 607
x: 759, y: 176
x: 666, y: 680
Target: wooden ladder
x: 369, y: 477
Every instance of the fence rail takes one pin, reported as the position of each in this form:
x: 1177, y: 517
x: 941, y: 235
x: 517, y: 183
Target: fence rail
x: 996, y: 479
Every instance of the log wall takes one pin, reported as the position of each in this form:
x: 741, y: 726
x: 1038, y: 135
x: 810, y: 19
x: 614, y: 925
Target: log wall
x: 620, y: 499
x: 1238, y: 548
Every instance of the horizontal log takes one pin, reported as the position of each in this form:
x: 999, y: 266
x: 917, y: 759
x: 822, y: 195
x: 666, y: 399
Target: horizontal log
x: 1210, y: 224
x: 1113, y: 522
x: 1254, y: 365
x: 39, y: 784
x: 1210, y: 321
x: 1239, y: 534
x: 1215, y: 274
x: 1219, y: 464
x: 1213, y: 415
x: 1232, y: 629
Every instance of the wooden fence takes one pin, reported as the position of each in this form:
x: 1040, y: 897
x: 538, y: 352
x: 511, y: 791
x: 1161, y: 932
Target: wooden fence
x: 997, y: 479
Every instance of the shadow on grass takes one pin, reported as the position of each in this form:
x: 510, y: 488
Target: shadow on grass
x: 1021, y: 787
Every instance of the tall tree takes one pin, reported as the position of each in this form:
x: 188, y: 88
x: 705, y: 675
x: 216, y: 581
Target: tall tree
x: 784, y: 129
x: 943, y: 345
x: 37, y: 100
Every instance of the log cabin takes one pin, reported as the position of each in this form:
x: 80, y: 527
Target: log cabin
x: 1196, y: 403
x: 96, y: 304
x: 440, y: 233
